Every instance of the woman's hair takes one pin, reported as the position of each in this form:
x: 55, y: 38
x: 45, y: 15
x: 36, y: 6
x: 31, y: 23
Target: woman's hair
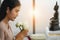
x: 7, y: 3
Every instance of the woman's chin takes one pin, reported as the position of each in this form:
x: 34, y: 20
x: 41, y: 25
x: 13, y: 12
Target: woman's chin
x: 12, y: 19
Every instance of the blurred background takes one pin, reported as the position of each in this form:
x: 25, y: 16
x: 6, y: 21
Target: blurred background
x: 44, y: 11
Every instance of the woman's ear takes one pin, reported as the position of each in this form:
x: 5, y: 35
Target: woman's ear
x: 8, y: 10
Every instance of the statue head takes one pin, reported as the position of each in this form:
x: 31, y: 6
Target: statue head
x: 56, y: 6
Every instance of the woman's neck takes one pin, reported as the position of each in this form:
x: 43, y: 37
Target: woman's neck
x: 6, y: 20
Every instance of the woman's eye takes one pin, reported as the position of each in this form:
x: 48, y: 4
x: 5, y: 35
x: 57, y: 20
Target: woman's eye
x: 17, y: 11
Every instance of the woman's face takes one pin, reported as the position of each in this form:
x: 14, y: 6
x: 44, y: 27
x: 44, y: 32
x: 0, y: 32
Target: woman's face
x: 12, y: 14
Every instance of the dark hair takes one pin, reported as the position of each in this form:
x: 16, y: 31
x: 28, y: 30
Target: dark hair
x: 7, y: 3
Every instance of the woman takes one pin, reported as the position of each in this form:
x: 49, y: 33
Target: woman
x: 9, y: 11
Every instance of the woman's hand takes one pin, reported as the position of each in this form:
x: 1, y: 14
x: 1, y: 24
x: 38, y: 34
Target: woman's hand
x: 21, y: 35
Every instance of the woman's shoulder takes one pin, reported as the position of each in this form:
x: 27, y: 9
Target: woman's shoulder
x: 2, y: 26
